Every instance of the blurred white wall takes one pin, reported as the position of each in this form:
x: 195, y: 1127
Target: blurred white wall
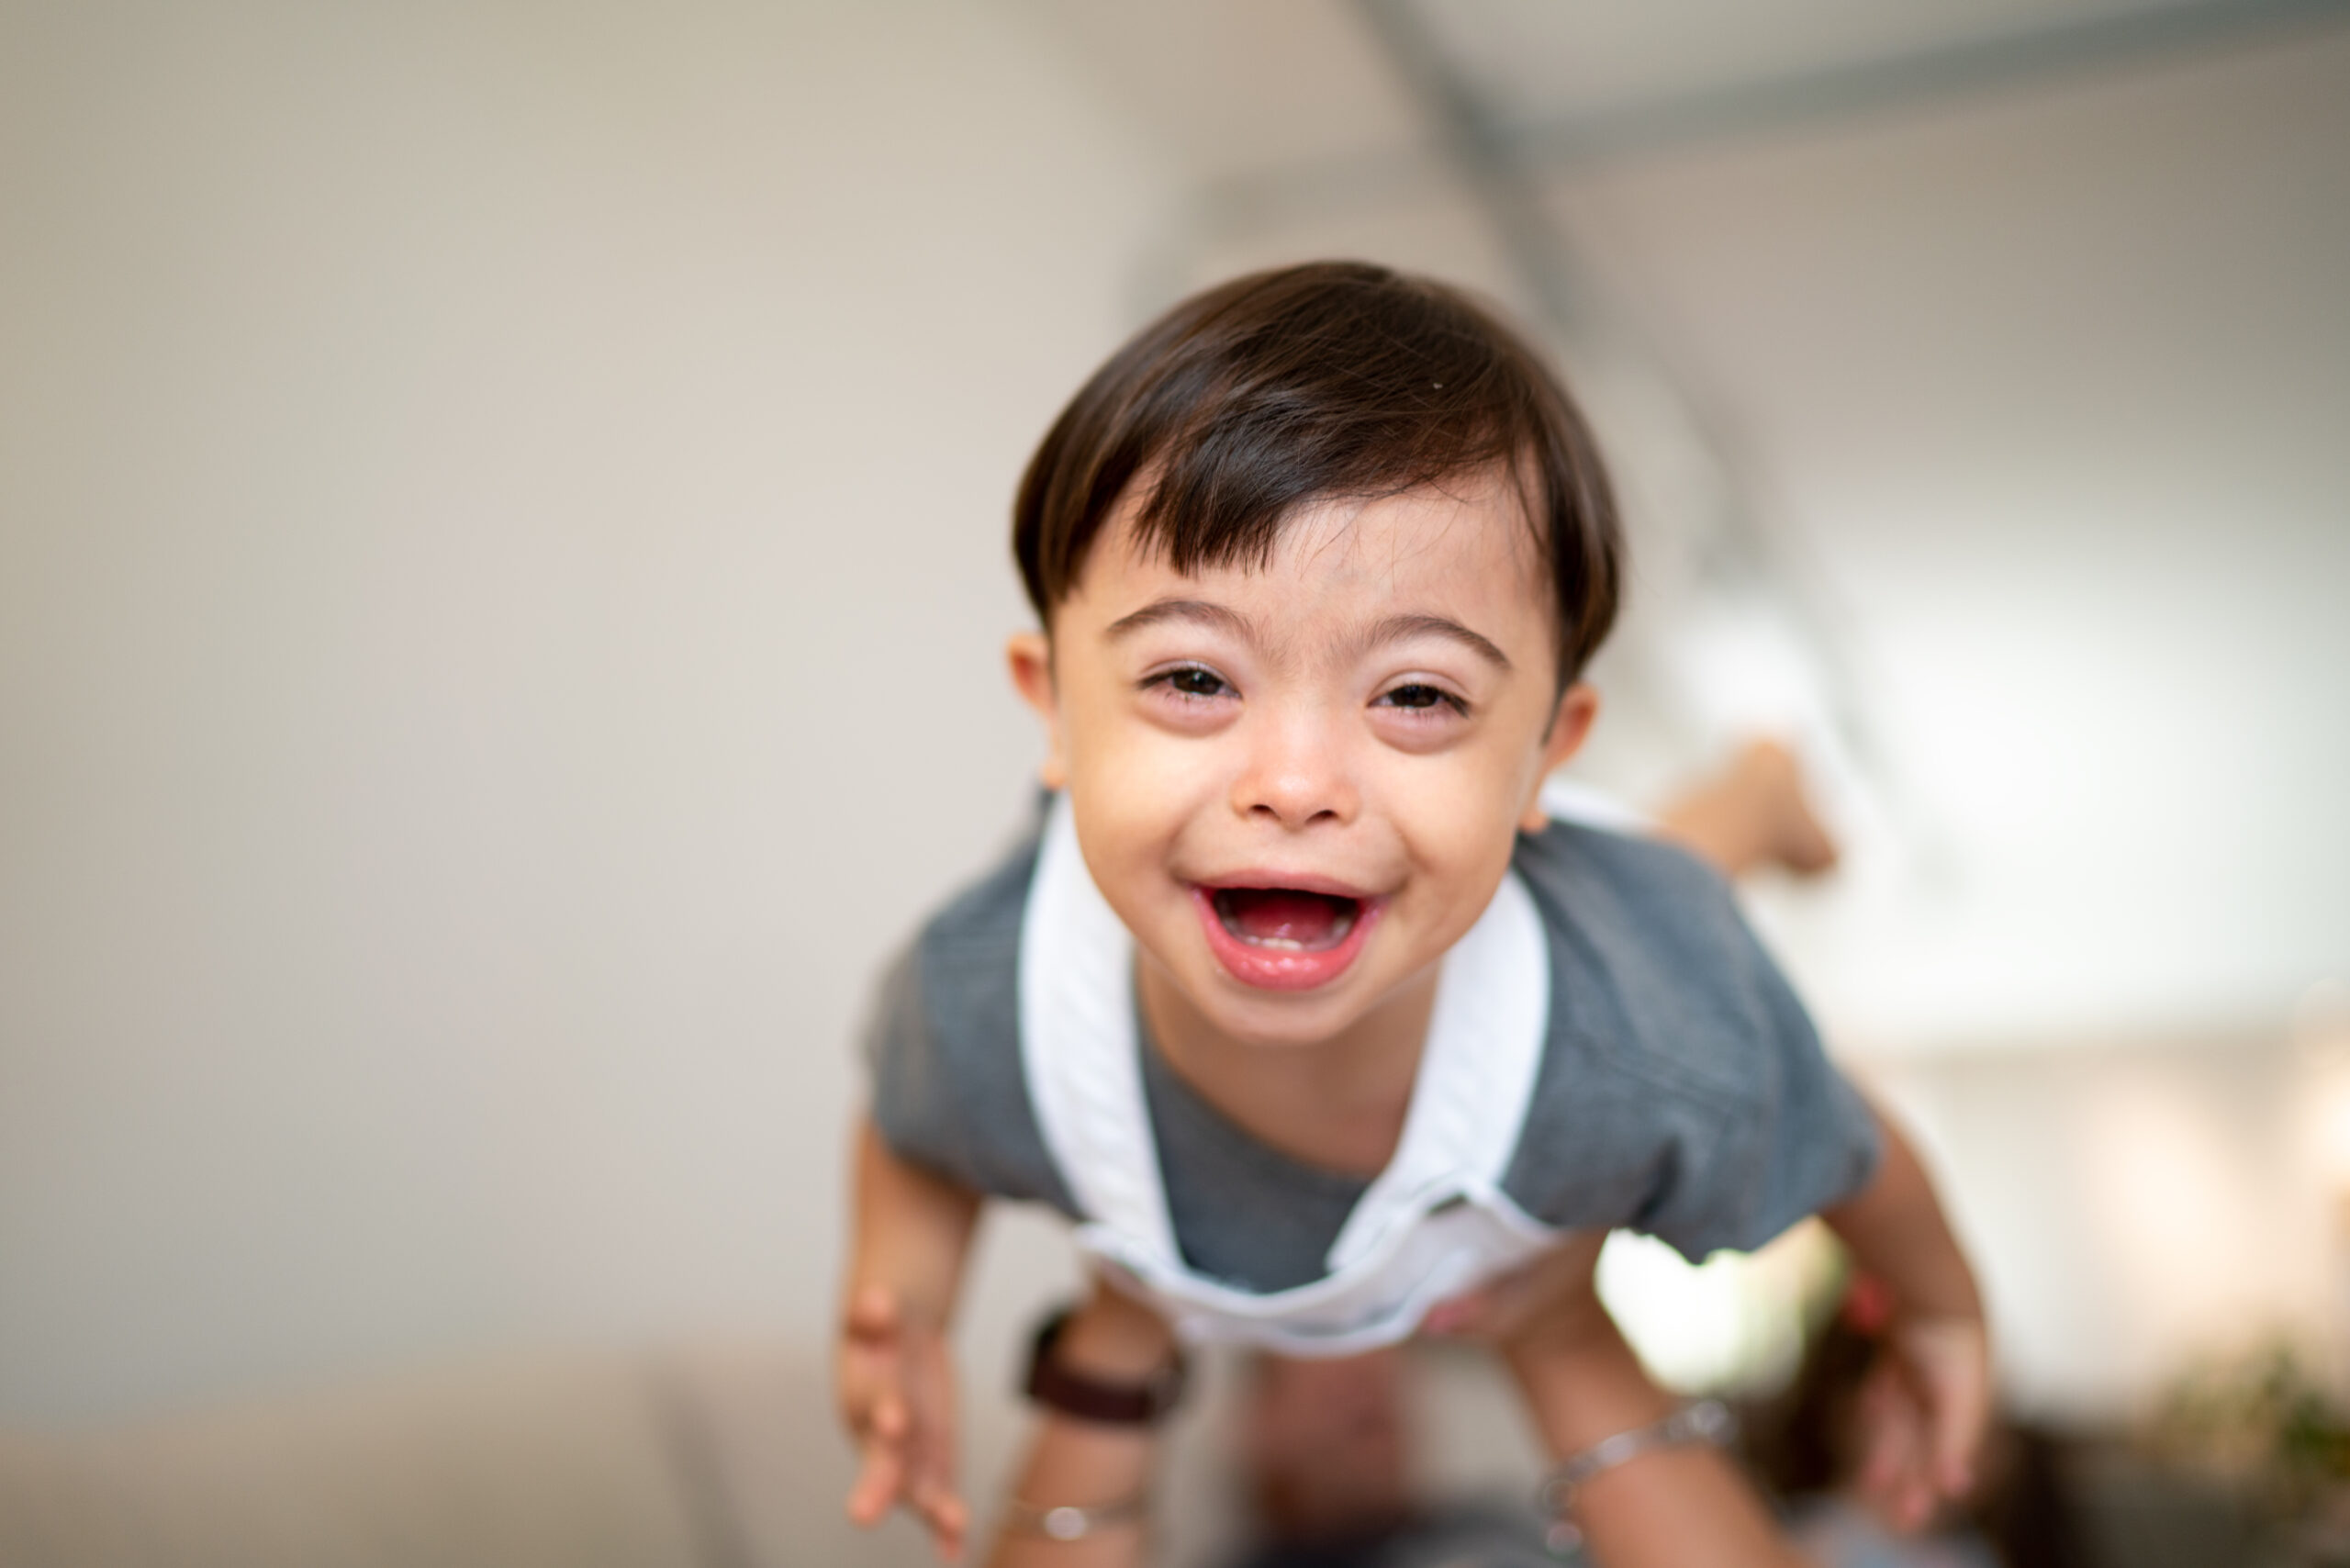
x: 2048, y: 389
x: 502, y: 565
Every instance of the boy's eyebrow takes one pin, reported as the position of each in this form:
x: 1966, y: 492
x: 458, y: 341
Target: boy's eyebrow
x: 1397, y: 628
x: 1181, y: 609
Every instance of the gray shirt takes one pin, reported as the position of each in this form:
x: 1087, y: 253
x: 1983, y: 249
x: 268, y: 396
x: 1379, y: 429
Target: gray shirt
x: 1683, y: 1091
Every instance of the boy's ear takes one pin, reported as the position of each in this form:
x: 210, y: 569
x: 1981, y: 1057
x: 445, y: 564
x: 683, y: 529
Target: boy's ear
x: 1029, y: 655
x: 1578, y: 706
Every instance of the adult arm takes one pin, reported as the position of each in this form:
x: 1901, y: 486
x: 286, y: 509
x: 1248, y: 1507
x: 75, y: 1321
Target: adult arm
x: 1076, y: 1463
x: 1674, y: 1507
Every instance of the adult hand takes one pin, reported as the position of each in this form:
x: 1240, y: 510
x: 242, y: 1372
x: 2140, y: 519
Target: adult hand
x: 896, y: 1389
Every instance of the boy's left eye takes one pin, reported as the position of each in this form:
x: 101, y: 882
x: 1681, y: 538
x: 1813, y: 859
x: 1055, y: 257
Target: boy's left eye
x: 1191, y: 682
x: 1421, y: 696
x: 1196, y: 682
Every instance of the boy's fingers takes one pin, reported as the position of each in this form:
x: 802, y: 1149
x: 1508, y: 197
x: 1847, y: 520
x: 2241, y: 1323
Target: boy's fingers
x: 894, y: 1424
x: 1913, y: 1496
x: 1895, y: 1474
x: 931, y: 1487
x: 947, y: 1519
x: 937, y: 1473
x: 1961, y: 1411
x: 1887, y: 1469
x: 1881, y: 1433
x: 941, y: 1509
x: 941, y: 1512
x: 1952, y: 1375
x: 877, y: 1484
x: 873, y: 1409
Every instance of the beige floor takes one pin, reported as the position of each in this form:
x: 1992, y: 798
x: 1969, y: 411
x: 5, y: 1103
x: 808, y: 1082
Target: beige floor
x: 712, y: 1457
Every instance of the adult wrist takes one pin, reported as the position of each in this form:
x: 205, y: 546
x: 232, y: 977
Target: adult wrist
x: 1703, y: 1421
x: 1071, y: 1521
x: 1103, y: 1370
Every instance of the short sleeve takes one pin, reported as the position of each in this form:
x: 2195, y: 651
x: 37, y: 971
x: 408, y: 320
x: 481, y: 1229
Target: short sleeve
x: 1683, y: 1091
x: 1798, y: 1139
x: 942, y: 1049
x: 914, y: 1104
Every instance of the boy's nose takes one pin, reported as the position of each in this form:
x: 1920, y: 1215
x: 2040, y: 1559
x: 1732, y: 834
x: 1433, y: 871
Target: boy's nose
x: 1296, y: 777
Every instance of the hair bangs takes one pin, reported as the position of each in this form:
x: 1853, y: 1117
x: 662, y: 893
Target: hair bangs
x: 1333, y: 380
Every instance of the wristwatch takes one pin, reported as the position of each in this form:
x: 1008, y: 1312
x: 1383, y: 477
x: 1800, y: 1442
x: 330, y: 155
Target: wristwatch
x: 1057, y: 1387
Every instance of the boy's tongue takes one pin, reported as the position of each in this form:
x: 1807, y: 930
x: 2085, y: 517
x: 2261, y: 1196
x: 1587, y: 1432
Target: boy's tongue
x: 1285, y: 916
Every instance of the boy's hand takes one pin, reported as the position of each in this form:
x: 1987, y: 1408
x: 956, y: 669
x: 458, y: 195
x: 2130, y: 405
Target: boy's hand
x: 1928, y: 1402
x: 897, y: 1398
x: 1923, y: 1413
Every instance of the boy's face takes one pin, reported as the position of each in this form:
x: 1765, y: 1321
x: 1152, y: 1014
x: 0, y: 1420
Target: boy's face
x: 1299, y: 785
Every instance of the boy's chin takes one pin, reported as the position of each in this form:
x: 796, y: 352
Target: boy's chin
x: 1278, y: 1019
x: 1278, y: 1034
x: 1271, y: 1017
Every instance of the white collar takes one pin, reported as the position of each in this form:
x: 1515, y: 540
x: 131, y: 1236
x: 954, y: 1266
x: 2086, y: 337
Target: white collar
x: 1081, y: 1058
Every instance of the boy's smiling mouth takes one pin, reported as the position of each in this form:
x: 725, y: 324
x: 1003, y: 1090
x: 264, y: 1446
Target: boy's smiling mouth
x: 1284, y: 938
x: 1288, y: 919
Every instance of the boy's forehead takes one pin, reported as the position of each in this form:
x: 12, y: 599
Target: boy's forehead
x: 1471, y: 532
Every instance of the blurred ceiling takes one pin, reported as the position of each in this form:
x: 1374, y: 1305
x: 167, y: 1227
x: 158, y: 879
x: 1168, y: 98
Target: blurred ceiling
x: 1307, y: 90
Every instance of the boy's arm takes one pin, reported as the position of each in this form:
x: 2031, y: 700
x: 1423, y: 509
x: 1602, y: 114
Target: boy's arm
x: 1927, y: 1410
x: 1674, y: 1507
x: 896, y: 1386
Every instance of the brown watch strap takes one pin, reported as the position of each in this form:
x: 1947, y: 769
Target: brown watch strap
x: 1057, y: 1387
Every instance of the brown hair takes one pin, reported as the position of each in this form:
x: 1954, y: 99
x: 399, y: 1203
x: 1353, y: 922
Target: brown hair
x: 1333, y: 378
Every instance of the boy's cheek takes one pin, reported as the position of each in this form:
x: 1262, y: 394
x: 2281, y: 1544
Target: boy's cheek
x: 1459, y: 820
x: 1141, y: 793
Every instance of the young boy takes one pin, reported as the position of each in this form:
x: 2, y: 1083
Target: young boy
x: 1297, y: 1003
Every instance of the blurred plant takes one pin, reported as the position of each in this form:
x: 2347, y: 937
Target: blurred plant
x: 2264, y: 1424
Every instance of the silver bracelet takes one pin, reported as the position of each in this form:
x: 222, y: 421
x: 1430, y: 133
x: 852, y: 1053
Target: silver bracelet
x: 1069, y: 1522
x: 1707, y: 1421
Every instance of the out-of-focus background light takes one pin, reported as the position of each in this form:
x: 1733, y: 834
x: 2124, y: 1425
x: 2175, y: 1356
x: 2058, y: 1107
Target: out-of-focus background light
x: 502, y: 567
